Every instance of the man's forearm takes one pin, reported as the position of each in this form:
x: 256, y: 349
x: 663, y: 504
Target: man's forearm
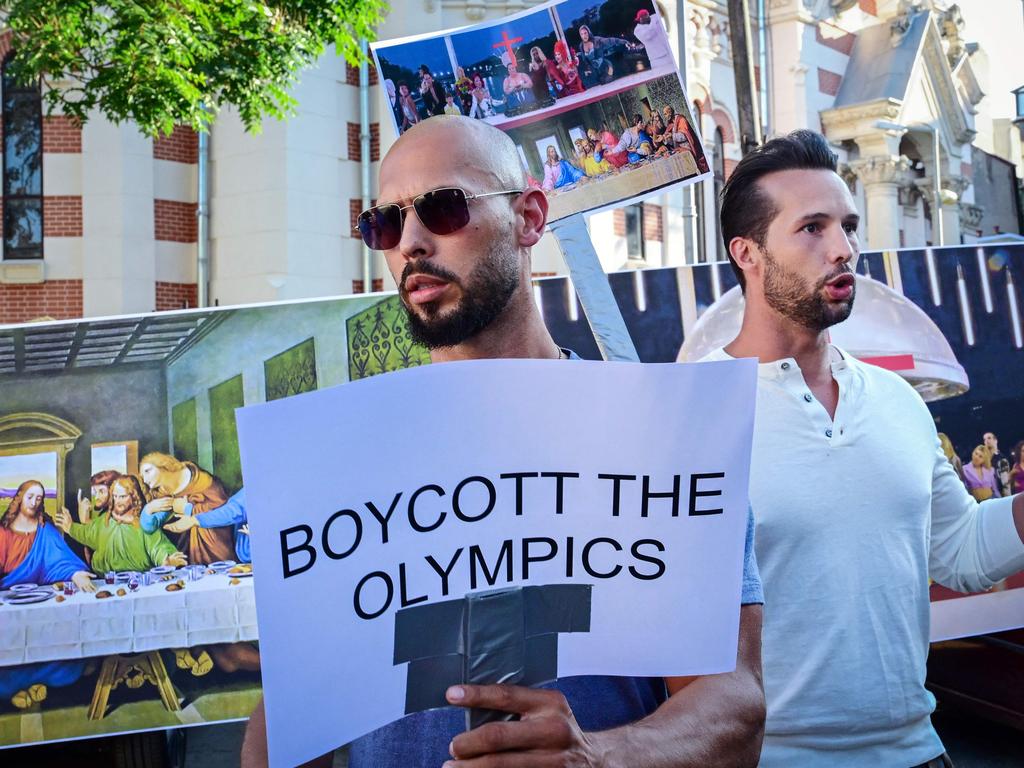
x: 714, y: 720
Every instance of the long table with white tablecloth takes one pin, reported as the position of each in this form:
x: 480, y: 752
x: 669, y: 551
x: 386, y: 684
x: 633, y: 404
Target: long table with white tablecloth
x: 210, y: 610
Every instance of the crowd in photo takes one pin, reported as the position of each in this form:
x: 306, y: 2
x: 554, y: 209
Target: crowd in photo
x: 990, y: 473
x: 600, y: 151
x: 531, y: 79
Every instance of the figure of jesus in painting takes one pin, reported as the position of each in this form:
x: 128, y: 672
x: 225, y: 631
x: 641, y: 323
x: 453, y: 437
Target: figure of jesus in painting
x: 32, y: 551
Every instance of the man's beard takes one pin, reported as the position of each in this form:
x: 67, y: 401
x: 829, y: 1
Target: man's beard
x: 485, y: 294
x: 126, y: 515
x: 789, y: 295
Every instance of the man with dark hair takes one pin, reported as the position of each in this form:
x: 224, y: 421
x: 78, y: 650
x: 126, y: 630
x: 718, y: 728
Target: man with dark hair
x: 518, y: 86
x: 457, y: 236
x: 852, y: 516
x: 432, y: 92
x: 98, y: 500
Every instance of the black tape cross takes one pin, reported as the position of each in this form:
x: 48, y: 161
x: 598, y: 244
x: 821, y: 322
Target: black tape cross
x: 498, y: 636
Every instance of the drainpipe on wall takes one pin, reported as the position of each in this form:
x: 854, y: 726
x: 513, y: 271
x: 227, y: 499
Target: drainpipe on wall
x: 690, y: 229
x: 364, y: 155
x: 767, y: 124
x: 203, y: 220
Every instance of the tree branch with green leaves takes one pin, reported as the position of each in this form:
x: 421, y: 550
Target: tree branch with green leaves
x: 161, y: 63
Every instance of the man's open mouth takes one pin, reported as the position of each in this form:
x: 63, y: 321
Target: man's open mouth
x: 421, y: 288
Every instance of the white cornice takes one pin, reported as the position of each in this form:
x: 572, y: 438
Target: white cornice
x: 856, y: 120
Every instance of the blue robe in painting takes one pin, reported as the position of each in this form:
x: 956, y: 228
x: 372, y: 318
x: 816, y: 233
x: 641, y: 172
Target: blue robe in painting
x: 49, y: 560
x: 232, y: 512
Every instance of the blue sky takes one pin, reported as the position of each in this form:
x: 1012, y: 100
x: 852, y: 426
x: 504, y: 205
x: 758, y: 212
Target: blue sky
x: 16, y: 469
x: 573, y: 9
x: 433, y: 53
x: 471, y: 47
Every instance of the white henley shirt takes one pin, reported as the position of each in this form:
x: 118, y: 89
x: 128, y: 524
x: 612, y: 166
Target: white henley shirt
x: 852, y: 515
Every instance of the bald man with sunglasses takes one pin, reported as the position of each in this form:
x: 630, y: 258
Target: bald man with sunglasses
x: 457, y: 233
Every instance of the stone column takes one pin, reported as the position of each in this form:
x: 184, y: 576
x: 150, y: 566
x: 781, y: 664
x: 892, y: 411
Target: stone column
x: 788, y: 25
x: 881, y: 176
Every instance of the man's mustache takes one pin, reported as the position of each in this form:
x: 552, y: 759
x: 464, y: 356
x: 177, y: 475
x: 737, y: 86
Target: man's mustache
x: 843, y: 270
x: 426, y: 268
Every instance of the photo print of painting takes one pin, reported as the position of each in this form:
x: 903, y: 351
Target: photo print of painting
x: 613, y: 149
x: 526, y: 62
x: 119, y: 457
x: 594, y: 79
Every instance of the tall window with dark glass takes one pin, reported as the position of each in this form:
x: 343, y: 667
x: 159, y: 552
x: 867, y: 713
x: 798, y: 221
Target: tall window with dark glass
x: 23, y: 168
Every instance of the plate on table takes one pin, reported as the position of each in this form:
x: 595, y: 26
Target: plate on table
x: 27, y: 598
x: 240, y: 571
x: 24, y: 588
x: 222, y: 565
x: 161, y: 570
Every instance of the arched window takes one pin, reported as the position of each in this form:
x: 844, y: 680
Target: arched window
x: 23, y: 168
x: 719, y: 170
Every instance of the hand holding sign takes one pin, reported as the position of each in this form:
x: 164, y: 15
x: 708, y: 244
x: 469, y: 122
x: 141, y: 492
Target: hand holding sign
x: 546, y: 732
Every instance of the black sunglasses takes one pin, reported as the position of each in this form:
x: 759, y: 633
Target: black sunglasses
x: 442, y: 211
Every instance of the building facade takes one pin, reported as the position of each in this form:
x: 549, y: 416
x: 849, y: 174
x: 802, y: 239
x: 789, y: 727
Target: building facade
x: 100, y: 220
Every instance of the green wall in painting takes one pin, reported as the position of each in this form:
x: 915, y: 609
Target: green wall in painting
x: 245, y: 342
x: 291, y: 372
x: 186, y: 431
x: 379, y: 341
x: 227, y: 462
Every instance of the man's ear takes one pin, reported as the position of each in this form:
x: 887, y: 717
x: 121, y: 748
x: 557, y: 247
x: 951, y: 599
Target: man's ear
x: 533, y: 216
x: 745, y: 253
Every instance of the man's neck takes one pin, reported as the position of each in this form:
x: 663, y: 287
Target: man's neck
x: 769, y: 336
x: 518, y: 332
x: 183, y: 478
x: 26, y: 522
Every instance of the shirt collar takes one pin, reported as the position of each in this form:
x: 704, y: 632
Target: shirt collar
x: 786, y: 368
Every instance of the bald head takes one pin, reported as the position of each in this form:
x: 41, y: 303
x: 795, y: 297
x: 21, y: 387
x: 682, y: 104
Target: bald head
x: 466, y: 288
x: 461, y: 143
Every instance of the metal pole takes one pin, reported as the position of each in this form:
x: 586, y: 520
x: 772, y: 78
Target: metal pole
x: 939, y: 236
x: 593, y: 288
x: 203, y: 220
x: 762, y: 45
x: 743, y: 71
x: 690, y: 230
x: 364, y: 155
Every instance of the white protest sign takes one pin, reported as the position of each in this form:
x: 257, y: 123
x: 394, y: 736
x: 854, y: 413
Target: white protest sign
x: 383, y: 509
